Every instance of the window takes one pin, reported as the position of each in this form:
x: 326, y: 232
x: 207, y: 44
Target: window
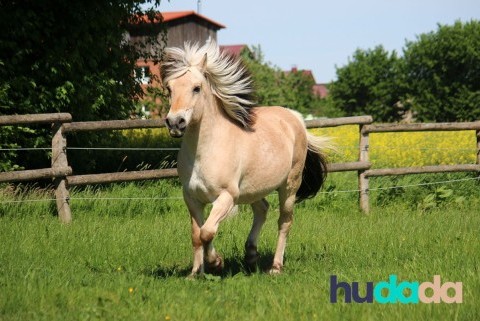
x: 142, y: 74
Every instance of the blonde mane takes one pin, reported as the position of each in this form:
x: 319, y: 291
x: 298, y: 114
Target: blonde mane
x: 229, y: 80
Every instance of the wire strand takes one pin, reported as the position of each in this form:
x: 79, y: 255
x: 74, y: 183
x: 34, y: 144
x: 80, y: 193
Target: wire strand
x: 127, y: 148
x: 18, y: 149
x: 180, y: 197
x: 94, y: 148
x: 404, y: 186
x: 126, y: 198
x: 21, y: 149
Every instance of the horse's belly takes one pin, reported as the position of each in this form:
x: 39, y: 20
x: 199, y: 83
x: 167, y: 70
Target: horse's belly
x: 256, y: 187
x: 246, y: 191
x: 248, y: 196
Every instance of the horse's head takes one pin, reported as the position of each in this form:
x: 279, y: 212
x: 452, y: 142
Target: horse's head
x: 197, y: 77
x: 187, y: 95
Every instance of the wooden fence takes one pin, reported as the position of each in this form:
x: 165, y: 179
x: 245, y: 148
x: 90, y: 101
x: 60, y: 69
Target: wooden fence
x: 363, y: 175
x: 63, y: 178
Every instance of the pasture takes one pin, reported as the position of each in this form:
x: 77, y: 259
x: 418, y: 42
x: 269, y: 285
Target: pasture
x: 126, y: 259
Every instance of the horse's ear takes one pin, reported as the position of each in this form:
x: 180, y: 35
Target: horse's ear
x: 203, y: 64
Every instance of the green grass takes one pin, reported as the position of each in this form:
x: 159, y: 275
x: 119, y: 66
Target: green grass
x: 128, y: 259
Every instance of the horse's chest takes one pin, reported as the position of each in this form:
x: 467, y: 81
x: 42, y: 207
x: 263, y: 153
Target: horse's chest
x: 200, y: 182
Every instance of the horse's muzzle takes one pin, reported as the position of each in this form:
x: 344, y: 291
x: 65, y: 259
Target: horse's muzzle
x: 176, y: 125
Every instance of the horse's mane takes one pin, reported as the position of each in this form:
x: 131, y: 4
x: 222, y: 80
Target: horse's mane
x: 229, y: 80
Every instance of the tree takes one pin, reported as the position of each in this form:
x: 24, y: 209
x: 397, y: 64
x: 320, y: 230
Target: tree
x: 67, y: 56
x: 274, y: 87
x: 369, y: 85
x: 437, y: 79
x: 443, y: 73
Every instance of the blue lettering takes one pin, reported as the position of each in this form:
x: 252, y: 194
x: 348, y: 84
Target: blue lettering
x: 334, y: 286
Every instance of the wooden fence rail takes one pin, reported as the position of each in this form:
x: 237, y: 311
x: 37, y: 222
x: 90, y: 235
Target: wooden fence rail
x: 112, y: 125
x: 35, y: 119
x: 78, y: 180
x: 61, y: 172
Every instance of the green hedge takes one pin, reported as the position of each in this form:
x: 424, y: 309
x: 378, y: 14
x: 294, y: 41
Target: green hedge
x: 123, y: 158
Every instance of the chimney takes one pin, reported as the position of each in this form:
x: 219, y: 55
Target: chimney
x: 199, y: 6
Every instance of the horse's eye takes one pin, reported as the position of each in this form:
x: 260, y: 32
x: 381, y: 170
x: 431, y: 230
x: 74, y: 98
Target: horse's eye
x: 196, y: 89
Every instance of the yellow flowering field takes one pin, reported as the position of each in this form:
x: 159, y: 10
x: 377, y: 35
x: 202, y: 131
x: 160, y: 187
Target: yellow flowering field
x: 150, y: 137
x: 404, y: 149
x: 386, y: 149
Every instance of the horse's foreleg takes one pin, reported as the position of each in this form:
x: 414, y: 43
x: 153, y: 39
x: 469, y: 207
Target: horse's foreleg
x: 196, y: 213
x: 221, y: 207
x: 260, y: 209
x: 284, y: 223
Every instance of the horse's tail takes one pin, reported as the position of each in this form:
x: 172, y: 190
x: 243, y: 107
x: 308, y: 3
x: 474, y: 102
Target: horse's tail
x: 315, y: 168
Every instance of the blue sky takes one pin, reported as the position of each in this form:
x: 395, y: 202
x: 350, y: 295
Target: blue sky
x: 319, y: 35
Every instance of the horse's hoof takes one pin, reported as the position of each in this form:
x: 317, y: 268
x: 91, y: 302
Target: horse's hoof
x: 195, y: 275
x: 251, y: 266
x: 251, y: 257
x: 275, y: 270
x: 215, y: 267
x: 251, y: 262
x: 192, y: 277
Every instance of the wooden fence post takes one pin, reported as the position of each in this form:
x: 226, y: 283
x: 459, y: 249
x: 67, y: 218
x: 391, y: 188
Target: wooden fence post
x: 362, y: 178
x: 59, y: 160
x: 478, y: 146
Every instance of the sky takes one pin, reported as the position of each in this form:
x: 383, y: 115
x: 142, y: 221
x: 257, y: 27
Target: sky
x: 321, y: 35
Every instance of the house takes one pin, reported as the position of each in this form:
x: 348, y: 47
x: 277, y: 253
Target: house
x: 319, y: 90
x: 235, y: 50
x: 174, y: 28
x: 190, y: 26
x: 181, y: 27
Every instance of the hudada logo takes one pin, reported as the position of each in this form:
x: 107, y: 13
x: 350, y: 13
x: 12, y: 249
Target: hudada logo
x: 394, y: 292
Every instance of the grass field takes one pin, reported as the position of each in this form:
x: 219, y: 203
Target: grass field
x: 128, y: 259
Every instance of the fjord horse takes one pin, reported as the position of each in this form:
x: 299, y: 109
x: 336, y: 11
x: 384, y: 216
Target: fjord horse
x: 234, y: 153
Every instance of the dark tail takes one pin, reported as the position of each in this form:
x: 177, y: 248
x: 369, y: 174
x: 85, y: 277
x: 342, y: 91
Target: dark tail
x: 314, y: 171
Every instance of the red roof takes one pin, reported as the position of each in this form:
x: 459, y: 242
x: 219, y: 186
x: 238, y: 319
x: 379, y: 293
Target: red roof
x: 233, y: 50
x: 170, y: 16
x: 320, y: 90
x: 306, y: 73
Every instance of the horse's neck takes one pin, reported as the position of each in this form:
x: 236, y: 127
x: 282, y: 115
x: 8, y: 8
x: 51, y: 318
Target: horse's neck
x: 202, y: 138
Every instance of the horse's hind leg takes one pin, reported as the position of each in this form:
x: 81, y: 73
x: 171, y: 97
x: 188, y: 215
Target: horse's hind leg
x: 260, y: 209
x: 286, y: 202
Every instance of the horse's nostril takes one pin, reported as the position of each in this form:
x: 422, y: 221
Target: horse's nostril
x: 182, y: 123
x: 167, y: 122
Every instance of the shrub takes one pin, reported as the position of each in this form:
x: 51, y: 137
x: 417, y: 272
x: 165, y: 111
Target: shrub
x: 135, y: 150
